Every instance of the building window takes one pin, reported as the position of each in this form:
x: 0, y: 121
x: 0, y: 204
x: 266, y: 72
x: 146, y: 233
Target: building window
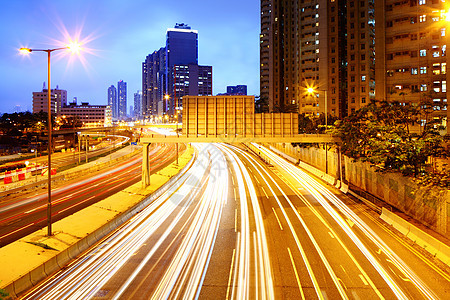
x: 363, y: 78
x: 423, y: 70
x: 333, y: 101
x: 353, y: 100
x: 423, y: 87
x: 363, y: 46
x: 422, y: 18
x: 363, y: 100
x: 422, y: 2
x: 414, y: 71
x: 352, y: 78
x: 363, y: 57
x: 444, y: 86
x: 444, y: 68
x: 423, y: 52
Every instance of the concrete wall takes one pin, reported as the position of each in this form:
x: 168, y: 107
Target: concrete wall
x: 430, y: 206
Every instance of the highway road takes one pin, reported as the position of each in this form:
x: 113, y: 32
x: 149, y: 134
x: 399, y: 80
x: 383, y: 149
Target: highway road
x: 23, y: 215
x: 234, y: 227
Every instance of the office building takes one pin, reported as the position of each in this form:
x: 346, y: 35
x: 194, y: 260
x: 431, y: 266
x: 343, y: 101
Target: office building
x: 58, y: 100
x: 175, y: 65
x: 153, y: 82
x: 112, y: 101
x: 121, y: 100
x: 89, y: 115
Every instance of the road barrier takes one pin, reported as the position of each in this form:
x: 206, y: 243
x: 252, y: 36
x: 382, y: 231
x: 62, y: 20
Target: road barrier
x: 418, y: 236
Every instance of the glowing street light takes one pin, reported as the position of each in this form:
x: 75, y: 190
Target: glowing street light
x: 312, y: 91
x: 73, y: 47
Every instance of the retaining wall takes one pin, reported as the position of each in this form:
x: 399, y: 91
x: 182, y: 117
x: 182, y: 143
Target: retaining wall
x: 430, y: 206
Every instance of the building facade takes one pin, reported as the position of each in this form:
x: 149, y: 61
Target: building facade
x: 173, y: 72
x: 411, y: 56
x: 112, y: 100
x: 137, y: 105
x: 325, y: 45
x: 153, y: 82
x: 58, y: 100
x: 89, y: 115
x: 122, y: 100
x: 356, y: 51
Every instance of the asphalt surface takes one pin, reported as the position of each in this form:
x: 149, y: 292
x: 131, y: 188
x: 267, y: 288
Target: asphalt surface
x: 234, y: 227
x: 21, y: 216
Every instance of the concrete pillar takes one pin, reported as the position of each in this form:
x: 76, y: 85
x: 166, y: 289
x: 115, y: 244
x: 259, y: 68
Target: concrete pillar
x: 145, y: 166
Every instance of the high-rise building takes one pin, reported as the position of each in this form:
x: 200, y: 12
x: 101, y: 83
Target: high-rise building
x: 153, y: 82
x: 411, y: 52
x: 356, y: 51
x: 122, y: 99
x: 327, y: 45
x: 112, y: 101
x: 58, y: 100
x: 137, y: 105
x: 175, y: 65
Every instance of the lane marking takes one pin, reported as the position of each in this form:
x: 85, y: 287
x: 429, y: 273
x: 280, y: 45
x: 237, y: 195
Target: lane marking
x: 363, y: 279
x: 279, y: 223
x: 296, y: 273
x: 231, y: 273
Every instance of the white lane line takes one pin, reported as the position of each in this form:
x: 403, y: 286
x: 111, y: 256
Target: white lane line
x: 296, y: 274
x: 363, y: 279
x: 231, y: 274
x: 278, y: 219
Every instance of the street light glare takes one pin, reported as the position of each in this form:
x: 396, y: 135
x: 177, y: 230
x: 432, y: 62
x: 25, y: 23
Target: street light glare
x: 24, y: 50
x: 74, y: 47
x: 310, y: 90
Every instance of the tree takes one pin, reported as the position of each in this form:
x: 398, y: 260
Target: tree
x: 385, y: 134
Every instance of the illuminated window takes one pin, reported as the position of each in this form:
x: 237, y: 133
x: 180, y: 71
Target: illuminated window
x: 414, y: 71
x: 422, y: 2
x: 423, y: 70
x: 423, y: 52
x: 423, y: 18
x: 423, y: 87
x: 444, y: 86
x: 444, y: 68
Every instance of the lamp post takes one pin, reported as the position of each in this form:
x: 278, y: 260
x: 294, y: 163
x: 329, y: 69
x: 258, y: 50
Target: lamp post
x: 73, y: 47
x: 312, y: 91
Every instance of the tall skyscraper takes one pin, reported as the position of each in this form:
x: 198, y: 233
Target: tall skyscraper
x: 153, y: 82
x: 137, y: 105
x: 327, y: 45
x: 122, y: 99
x: 175, y: 65
x: 112, y: 101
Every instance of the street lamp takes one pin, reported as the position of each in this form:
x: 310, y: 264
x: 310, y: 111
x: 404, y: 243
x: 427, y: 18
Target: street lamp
x: 312, y: 91
x: 74, y: 47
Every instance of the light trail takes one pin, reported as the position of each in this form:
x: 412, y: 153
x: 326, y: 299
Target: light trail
x: 324, y: 197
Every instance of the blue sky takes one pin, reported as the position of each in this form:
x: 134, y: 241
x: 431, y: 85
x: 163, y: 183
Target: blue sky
x: 119, y: 35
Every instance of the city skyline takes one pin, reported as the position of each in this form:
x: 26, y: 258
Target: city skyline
x: 118, y: 41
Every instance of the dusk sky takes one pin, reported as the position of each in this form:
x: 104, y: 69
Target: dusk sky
x: 118, y: 35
